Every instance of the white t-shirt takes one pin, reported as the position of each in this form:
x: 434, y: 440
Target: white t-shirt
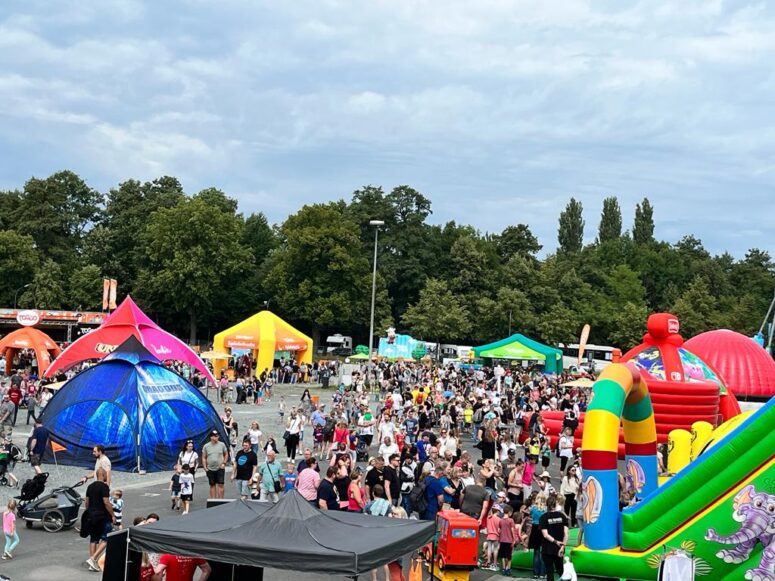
x: 186, y: 484
x: 566, y: 446
x: 387, y: 451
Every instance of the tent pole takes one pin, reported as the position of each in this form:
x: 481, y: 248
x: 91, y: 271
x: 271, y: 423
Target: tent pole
x: 126, y: 557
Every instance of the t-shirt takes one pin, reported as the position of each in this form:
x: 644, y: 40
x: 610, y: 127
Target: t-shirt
x: 327, y: 494
x: 175, y: 482
x: 9, y: 518
x: 7, y: 408
x: 433, y: 489
x: 554, y: 522
x: 180, y: 568
x: 270, y: 473
x: 493, y: 527
x: 214, y: 452
x: 507, y: 530
x: 392, y: 481
x: 411, y: 425
x: 102, y: 462
x: 474, y: 497
x: 96, y: 492
x: 186, y: 483
x: 307, y: 484
x: 40, y: 435
x: 374, y: 477
x: 290, y: 480
x: 245, y: 462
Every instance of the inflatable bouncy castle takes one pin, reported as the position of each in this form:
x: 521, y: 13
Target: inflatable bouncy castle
x: 684, y: 389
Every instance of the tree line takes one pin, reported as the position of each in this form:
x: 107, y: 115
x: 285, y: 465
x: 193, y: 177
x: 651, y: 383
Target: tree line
x: 197, y: 265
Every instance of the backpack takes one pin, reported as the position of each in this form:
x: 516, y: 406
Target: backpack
x: 478, y: 416
x: 417, y: 498
x: 328, y: 429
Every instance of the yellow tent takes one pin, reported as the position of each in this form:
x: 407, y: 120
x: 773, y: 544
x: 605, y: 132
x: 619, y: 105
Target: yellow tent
x: 263, y: 333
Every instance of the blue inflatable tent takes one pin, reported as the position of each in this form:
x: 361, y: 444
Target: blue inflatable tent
x: 142, y: 413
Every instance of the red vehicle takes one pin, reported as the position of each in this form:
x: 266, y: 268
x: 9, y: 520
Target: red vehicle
x: 457, y: 543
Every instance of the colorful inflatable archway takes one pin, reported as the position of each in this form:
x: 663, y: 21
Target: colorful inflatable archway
x: 620, y: 394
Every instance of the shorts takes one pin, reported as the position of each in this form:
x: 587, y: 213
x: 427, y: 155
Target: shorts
x: 100, y: 531
x: 35, y: 459
x: 186, y: 497
x: 174, y: 493
x: 243, y: 487
x: 491, y: 546
x: 215, y: 476
x: 505, y: 550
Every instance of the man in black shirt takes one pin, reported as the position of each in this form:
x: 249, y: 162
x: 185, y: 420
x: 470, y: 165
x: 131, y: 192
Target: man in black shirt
x: 376, y: 476
x: 245, y: 462
x: 328, y: 499
x: 392, y: 479
x: 554, y: 528
x: 100, y: 516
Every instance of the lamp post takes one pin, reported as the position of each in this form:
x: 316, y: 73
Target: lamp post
x: 16, y: 294
x: 376, y: 224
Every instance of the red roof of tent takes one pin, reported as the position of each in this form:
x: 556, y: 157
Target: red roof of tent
x: 127, y: 320
x: 745, y: 366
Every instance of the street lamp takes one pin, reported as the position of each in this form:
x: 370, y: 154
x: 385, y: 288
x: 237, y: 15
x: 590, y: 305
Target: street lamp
x: 16, y: 294
x: 376, y: 224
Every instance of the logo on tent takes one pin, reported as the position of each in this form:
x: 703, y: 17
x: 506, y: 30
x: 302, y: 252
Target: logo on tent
x: 28, y: 318
x: 104, y: 348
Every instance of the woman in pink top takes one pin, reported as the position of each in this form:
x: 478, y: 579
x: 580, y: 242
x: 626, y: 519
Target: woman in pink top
x: 356, y: 494
x: 308, y: 481
x: 9, y: 528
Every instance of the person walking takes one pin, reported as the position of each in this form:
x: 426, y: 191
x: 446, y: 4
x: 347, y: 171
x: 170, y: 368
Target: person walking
x: 101, y: 462
x: 38, y: 443
x: 7, y: 410
x: 9, y: 528
x: 245, y: 462
x: 554, y: 529
x: 190, y: 457
x: 99, y: 514
x: 294, y: 427
x: 215, y: 454
x: 270, y: 473
x: 569, y: 488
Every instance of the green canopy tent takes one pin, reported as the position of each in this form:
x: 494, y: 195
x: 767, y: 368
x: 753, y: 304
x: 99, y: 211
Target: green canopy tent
x: 522, y: 348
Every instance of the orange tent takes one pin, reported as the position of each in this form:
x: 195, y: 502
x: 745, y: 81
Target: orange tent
x: 28, y: 338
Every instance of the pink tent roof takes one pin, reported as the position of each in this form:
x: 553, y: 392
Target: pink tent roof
x: 127, y: 320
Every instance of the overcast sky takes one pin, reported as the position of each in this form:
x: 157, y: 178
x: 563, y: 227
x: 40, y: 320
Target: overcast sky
x: 496, y: 110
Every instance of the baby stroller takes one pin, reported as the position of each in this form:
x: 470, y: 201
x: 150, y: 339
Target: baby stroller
x: 55, y: 511
x: 8, y: 464
x: 361, y: 451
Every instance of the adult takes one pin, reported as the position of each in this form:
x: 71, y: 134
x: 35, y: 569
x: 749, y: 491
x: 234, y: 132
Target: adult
x: 474, y: 503
x: 388, y: 448
x: 100, y: 516
x: 328, y: 495
x: 393, y: 478
x: 434, y: 493
x: 178, y: 568
x: 308, y: 482
x: 376, y: 476
x: 356, y: 494
x: 231, y: 426
x: 38, y: 443
x: 188, y: 456
x: 101, y: 461
x: 569, y: 488
x: 7, y: 410
x: 214, y: 458
x: 293, y: 428
x: 566, y: 448
x: 255, y: 434
x: 244, y: 469
x: 16, y: 395
x: 488, y: 437
x: 270, y: 474
x: 554, y: 529
x: 305, y: 461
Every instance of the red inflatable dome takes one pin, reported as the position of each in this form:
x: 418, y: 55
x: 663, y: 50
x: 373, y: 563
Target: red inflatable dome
x: 746, y: 368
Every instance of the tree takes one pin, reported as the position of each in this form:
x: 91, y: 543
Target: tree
x: 47, y: 290
x: 696, y: 309
x: 321, y: 275
x: 259, y: 237
x: 437, y: 314
x: 628, y: 326
x: 56, y: 212
x: 610, y: 220
x: 643, y: 227
x: 194, y: 250
x: 517, y: 241
x: 18, y: 263
x: 570, y: 234
x: 85, y: 288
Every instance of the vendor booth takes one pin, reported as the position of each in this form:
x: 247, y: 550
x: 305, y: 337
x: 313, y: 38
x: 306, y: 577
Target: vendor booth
x: 519, y: 347
x: 291, y: 535
x: 264, y: 334
x: 127, y: 321
x: 28, y: 338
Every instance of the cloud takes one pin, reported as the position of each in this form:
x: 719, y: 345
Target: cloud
x: 498, y: 110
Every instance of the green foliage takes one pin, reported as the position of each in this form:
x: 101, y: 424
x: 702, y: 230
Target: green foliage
x: 570, y: 234
x: 517, y: 241
x: 610, y: 220
x: 85, y: 288
x: 18, y: 263
x: 643, y: 226
x: 47, y: 290
x: 437, y: 313
x: 696, y: 308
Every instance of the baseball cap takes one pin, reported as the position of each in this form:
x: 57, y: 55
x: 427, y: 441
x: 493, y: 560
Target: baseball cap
x: 214, y: 433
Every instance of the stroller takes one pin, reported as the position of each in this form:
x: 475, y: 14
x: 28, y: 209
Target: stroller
x: 15, y: 454
x: 361, y: 451
x: 55, y: 511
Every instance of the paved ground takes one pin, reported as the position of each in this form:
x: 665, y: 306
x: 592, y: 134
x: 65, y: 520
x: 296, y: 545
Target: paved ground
x: 43, y: 556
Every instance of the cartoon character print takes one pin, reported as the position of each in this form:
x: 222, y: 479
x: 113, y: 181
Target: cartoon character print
x: 756, y: 512
x: 650, y: 360
x: 636, y: 477
x: 591, y: 500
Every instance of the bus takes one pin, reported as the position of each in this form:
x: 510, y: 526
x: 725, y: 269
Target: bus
x: 596, y: 357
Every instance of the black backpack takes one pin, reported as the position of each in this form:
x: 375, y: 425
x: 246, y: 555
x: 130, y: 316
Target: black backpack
x: 328, y: 429
x: 417, y: 498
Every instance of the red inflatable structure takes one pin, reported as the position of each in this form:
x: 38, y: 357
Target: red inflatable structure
x: 684, y: 388
x: 747, y: 368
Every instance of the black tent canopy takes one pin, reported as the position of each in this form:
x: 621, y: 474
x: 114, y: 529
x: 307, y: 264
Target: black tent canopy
x: 291, y: 534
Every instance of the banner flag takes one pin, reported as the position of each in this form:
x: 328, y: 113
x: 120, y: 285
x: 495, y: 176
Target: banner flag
x: 583, y: 342
x: 105, y: 292
x: 112, y: 298
x: 57, y: 447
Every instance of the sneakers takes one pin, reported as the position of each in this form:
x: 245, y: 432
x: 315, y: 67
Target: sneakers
x: 7, y: 555
x: 92, y: 565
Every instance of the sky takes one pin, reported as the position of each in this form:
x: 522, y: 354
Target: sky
x: 498, y: 111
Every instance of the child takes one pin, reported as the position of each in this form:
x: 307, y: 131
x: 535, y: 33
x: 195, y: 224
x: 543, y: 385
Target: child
x: 186, y: 488
x: 117, y: 500
x: 509, y: 534
x: 9, y: 528
x: 259, y: 400
x: 290, y: 477
x: 546, y: 453
x: 492, y: 540
x: 526, y: 520
x: 174, y: 488
x: 268, y: 389
x: 281, y: 409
